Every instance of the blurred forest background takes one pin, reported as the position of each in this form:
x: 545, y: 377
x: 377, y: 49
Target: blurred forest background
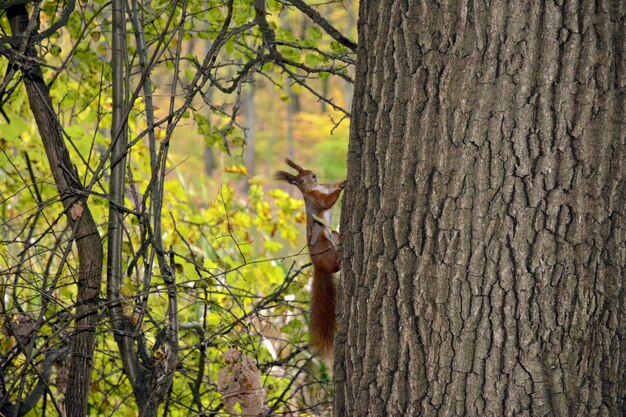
x: 205, y: 310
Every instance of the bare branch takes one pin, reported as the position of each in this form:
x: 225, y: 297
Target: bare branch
x: 269, y: 39
x: 64, y: 17
x: 316, y: 17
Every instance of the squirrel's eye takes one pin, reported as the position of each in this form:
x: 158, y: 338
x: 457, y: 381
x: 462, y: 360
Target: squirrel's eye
x: 300, y: 180
x: 313, y: 176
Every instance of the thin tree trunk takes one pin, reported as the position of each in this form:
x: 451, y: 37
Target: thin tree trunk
x: 325, y: 90
x: 248, y: 156
x: 348, y: 88
x: 208, y: 157
x: 150, y: 379
x: 119, y: 138
x: 483, y: 220
x: 292, y: 106
x: 84, y: 228
x: 208, y: 161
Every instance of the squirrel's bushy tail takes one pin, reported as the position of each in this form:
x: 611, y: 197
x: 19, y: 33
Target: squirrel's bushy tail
x: 323, y: 296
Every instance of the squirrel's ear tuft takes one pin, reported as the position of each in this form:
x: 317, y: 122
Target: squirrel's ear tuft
x: 285, y: 176
x: 294, y: 165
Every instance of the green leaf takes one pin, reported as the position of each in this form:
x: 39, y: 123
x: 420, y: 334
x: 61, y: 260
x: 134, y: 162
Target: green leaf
x: 272, y: 245
x: 293, y: 327
x: 314, y: 33
x: 313, y: 60
x: 55, y: 50
x: 338, y: 48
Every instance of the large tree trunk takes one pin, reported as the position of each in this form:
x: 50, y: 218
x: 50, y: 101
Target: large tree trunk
x: 85, y: 232
x: 483, y: 223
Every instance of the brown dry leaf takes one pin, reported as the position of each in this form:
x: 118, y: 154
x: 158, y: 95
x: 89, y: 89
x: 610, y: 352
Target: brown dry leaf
x: 77, y: 209
x: 136, y: 315
x: 62, y: 376
x: 240, y: 382
x: 232, y: 355
x: 162, y: 352
x: 4, y: 330
x: 61, y: 405
x: 24, y: 325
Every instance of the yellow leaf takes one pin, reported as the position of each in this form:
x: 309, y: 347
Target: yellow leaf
x: 159, y: 134
x: 237, y: 169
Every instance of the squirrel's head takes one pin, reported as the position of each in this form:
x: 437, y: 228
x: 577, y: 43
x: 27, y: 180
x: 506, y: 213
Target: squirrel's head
x: 305, y: 180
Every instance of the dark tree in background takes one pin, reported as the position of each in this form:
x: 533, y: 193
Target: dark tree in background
x: 483, y: 224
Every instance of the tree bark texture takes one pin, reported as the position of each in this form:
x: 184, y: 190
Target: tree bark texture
x: 85, y: 231
x: 483, y: 220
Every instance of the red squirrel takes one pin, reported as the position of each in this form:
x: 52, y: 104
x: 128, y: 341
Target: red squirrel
x: 323, y: 248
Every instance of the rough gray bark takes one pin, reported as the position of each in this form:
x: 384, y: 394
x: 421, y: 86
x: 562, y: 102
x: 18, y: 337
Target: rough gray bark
x: 483, y: 222
x: 85, y: 232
